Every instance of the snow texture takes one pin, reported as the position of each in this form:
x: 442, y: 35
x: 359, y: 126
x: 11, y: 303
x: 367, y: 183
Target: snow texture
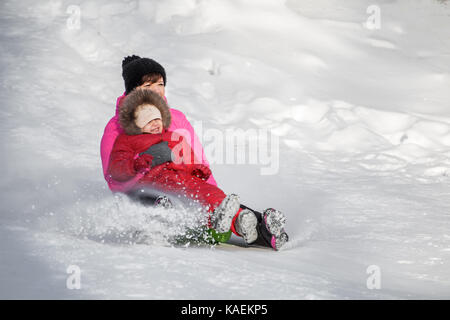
x: 362, y: 116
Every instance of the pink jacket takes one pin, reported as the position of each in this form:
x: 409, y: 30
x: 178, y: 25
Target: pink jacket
x: 112, y: 130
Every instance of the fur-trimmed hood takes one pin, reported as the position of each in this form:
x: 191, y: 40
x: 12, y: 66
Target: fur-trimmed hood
x: 133, y: 100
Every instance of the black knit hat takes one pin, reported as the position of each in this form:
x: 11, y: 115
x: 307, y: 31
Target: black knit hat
x: 135, y: 67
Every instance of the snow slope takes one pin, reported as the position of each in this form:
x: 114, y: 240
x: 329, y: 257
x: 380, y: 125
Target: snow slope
x: 362, y: 118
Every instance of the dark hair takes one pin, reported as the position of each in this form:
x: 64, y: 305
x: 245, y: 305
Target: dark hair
x: 152, y: 77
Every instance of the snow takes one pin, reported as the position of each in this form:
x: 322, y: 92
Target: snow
x: 361, y: 117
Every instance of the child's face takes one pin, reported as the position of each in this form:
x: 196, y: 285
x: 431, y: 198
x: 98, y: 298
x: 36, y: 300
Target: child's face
x: 154, y: 127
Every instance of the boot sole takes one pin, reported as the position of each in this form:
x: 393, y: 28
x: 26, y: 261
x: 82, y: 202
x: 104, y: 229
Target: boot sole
x: 247, y: 223
x: 275, y: 221
x: 224, y: 213
x: 278, y: 242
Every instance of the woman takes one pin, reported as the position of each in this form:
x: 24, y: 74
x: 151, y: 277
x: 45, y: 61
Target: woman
x: 265, y: 229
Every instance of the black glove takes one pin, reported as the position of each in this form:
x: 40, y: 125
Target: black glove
x: 160, y: 152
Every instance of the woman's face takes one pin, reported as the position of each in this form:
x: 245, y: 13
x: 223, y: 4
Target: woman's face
x: 157, y: 86
x: 154, y: 127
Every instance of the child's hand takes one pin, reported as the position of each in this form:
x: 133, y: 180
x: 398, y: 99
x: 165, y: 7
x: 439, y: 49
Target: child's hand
x: 142, y: 163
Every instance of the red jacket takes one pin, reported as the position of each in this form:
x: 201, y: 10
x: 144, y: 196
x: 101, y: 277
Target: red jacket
x: 185, y: 175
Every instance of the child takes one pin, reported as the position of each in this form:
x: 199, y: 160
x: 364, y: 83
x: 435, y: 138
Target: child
x: 169, y: 165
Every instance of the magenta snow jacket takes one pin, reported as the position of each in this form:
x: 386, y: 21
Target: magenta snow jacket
x: 113, y: 129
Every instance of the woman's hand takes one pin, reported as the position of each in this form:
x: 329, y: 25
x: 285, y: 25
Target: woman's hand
x: 142, y: 163
x: 199, y: 170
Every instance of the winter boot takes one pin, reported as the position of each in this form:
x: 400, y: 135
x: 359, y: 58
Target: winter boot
x: 223, y: 215
x: 274, y: 221
x: 245, y: 224
x: 271, y: 229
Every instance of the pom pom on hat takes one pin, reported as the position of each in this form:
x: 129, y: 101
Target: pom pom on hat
x: 128, y: 59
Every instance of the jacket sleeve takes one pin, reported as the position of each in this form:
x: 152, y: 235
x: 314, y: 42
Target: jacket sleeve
x: 110, y: 134
x: 121, y: 162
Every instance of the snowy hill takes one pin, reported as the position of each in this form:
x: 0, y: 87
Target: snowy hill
x: 356, y: 94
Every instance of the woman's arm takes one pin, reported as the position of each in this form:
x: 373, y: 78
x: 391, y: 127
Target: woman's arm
x: 182, y: 123
x: 110, y: 135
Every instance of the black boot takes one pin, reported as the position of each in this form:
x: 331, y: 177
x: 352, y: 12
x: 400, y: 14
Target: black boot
x: 265, y: 225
